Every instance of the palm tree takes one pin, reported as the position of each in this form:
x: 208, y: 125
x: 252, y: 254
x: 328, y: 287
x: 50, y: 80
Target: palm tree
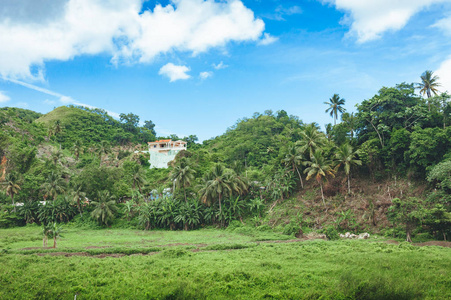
x: 182, y: 175
x: 320, y: 167
x: 55, y: 232
x: 12, y: 187
x: 54, y: 185
x: 428, y: 84
x: 351, y: 122
x: 138, y: 179
x: 78, y: 147
x: 294, y: 158
x: 104, y: 148
x: 104, y: 207
x: 77, y: 195
x: 335, y: 105
x: 218, y: 183
x: 56, y: 156
x: 311, y: 139
x: 346, y: 157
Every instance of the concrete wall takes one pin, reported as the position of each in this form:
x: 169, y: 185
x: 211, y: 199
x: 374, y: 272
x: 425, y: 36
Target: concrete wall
x: 161, y: 160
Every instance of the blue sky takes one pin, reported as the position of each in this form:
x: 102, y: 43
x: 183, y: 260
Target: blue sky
x: 196, y: 67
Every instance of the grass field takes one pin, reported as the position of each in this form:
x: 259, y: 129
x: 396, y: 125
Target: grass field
x: 216, y: 264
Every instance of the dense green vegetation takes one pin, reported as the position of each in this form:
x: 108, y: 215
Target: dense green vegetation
x: 216, y: 264
x: 85, y: 163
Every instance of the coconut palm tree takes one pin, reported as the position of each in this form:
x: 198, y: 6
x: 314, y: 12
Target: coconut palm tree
x: 218, y: 183
x: 77, y: 195
x: 55, y: 231
x: 182, y: 175
x: 138, y: 179
x: 311, y: 139
x: 319, y: 167
x: 429, y: 83
x: 78, y: 148
x: 12, y: 187
x: 104, y: 148
x: 56, y: 156
x: 346, y: 158
x: 104, y: 207
x: 53, y: 185
x: 294, y: 159
x: 335, y: 105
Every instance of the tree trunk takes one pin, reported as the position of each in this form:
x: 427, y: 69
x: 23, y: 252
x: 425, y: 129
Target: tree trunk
x: 349, y: 183
x: 408, y: 230
x: 220, y: 211
x: 322, y: 194
x: 12, y: 198
x: 184, y: 191
x: 54, y: 240
x: 300, y: 177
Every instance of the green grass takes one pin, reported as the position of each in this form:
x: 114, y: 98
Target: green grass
x: 218, y: 264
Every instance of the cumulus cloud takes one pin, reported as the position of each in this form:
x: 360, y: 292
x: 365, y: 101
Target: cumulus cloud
x: 370, y: 18
x: 444, y: 73
x: 219, y: 66
x: 3, y: 97
x: 69, y: 28
x: 174, y: 72
x: 205, y: 75
x: 267, y: 39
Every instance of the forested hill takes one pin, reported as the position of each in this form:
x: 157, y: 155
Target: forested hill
x: 396, y: 140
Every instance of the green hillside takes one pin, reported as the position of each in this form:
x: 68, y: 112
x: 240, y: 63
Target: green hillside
x: 384, y: 168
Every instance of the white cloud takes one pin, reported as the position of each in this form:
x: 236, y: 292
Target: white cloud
x: 205, y: 75
x: 444, y: 73
x: 219, y: 66
x: 267, y: 39
x: 444, y: 24
x: 370, y: 18
x: 66, y: 100
x: 49, y: 102
x: 174, y: 72
x: 3, y: 97
x: 69, y: 28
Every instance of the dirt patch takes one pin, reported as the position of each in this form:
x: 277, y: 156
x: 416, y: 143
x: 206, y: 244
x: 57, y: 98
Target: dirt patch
x: 66, y: 254
x: 182, y: 244
x: 434, y: 243
x: 36, y: 248
x: 392, y: 242
x: 282, y: 241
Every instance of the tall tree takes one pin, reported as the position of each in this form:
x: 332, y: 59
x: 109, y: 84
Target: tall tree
x: 53, y: 185
x: 182, y: 175
x: 78, y: 147
x: 294, y: 159
x: 429, y: 83
x: 218, y: 183
x: 77, y: 196
x: 12, y: 187
x: 335, y: 105
x: 104, y: 207
x: 346, y: 158
x: 103, y: 148
x: 319, y: 167
x: 151, y: 126
x: 311, y: 139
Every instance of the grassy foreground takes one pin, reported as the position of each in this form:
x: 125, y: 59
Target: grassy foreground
x: 215, y: 264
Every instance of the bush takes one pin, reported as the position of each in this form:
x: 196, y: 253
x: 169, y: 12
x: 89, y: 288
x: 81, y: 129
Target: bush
x: 331, y: 233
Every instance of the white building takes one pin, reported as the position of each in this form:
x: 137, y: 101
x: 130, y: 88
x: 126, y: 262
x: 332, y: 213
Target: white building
x: 163, y: 151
